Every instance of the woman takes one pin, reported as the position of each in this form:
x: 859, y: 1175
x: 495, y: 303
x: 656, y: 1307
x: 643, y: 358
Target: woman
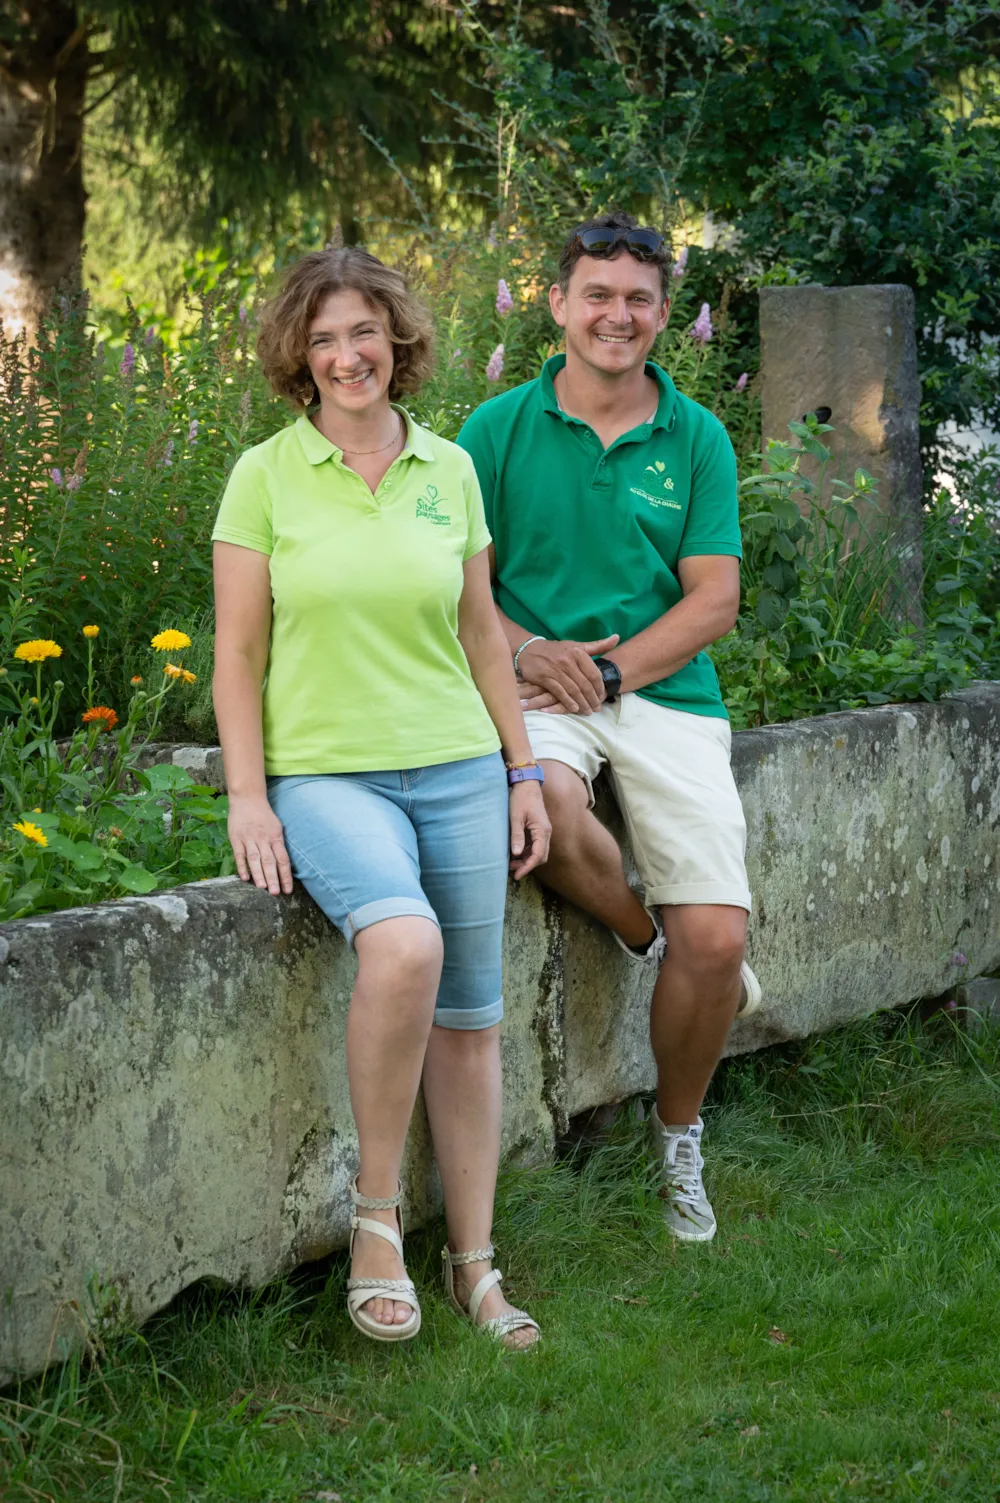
x: 354, y: 542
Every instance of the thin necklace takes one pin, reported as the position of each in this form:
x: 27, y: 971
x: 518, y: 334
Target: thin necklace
x: 358, y: 453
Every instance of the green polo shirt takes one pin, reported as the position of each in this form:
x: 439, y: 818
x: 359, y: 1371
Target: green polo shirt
x: 365, y: 670
x: 588, y: 539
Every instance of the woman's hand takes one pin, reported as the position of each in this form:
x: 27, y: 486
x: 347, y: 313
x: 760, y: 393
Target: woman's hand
x: 530, y: 830
x: 258, y: 844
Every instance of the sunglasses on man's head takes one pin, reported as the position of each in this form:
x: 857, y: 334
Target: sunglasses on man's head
x: 644, y: 244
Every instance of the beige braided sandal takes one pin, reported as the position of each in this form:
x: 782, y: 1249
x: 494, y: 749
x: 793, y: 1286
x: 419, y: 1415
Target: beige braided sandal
x: 500, y: 1325
x: 360, y: 1291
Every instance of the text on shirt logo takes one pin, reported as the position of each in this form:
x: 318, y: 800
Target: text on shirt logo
x: 658, y: 471
x: 427, y: 507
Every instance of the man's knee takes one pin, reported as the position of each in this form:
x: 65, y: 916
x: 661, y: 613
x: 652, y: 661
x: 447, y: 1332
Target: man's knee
x: 710, y: 940
x: 566, y: 799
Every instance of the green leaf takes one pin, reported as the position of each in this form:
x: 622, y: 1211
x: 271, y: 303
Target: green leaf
x: 198, y: 853
x: 136, y: 879
x: 785, y: 546
x: 771, y: 609
x: 165, y: 777
x: 84, y: 855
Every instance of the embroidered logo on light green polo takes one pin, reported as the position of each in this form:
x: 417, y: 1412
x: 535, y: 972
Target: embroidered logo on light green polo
x: 427, y: 507
x: 657, y: 471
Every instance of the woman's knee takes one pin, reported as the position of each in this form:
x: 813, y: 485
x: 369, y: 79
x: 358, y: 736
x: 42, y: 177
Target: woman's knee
x: 406, y: 952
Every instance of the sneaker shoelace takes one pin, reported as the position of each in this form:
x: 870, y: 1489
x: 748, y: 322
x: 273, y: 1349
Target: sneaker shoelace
x: 684, y: 1162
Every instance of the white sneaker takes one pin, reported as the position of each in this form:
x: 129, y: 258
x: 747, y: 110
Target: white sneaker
x: 653, y: 956
x: 688, y: 1214
x: 750, y: 994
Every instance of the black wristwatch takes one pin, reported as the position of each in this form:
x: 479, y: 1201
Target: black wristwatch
x: 611, y: 674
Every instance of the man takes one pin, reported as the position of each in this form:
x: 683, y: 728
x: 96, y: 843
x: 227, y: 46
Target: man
x: 612, y: 503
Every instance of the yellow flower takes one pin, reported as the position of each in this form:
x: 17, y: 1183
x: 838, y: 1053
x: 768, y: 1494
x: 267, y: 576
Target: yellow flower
x: 33, y: 700
x: 188, y: 676
x: 172, y: 670
x: 170, y: 641
x: 38, y: 650
x: 31, y: 832
x: 91, y: 631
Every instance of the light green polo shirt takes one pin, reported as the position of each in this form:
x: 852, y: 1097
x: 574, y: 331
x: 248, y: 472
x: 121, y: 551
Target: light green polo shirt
x: 365, y: 670
x: 588, y: 540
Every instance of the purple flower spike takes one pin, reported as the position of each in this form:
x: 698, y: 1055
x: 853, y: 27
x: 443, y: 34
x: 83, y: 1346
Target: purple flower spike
x: 504, y: 300
x: 128, y: 361
x: 741, y: 384
x: 243, y: 313
x: 494, y: 367
x: 193, y: 430
x: 959, y: 959
x: 74, y: 482
x: 168, y: 453
x: 56, y: 477
x: 680, y: 265
x: 702, y: 330
x: 150, y: 336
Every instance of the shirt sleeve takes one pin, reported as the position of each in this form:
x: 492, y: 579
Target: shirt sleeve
x: 713, y: 519
x: 475, y: 440
x: 245, y: 513
x: 478, y: 534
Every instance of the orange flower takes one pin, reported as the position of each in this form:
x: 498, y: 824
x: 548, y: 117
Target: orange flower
x: 173, y: 671
x: 136, y: 678
x: 101, y: 713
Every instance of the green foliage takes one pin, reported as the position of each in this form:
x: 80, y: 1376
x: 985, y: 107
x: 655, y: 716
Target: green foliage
x: 110, y: 478
x: 847, y: 143
x: 821, y: 628
x: 854, y: 1177
x: 82, y: 820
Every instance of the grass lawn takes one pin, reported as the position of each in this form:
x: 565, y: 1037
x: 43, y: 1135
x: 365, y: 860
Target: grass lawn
x: 840, y: 1339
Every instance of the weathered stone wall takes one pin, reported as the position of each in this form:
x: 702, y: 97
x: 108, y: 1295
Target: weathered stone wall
x: 173, y: 1098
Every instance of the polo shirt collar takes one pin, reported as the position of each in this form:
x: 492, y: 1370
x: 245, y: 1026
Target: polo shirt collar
x: 317, y: 448
x: 665, y: 407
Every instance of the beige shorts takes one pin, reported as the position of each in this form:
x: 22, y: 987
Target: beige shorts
x: 671, y: 777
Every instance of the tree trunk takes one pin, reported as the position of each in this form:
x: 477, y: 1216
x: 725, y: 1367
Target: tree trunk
x: 43, y: 83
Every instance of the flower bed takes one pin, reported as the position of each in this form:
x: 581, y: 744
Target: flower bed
x: 93, y: 821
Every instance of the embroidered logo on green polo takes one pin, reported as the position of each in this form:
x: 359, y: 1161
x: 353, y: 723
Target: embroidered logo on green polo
x: 657, y: 472
x: 427, y: 507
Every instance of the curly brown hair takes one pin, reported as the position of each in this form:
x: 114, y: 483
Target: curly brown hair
x: 283, y: 342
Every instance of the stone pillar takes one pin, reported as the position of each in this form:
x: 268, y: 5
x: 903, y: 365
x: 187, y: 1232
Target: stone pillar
x: 852, y: 350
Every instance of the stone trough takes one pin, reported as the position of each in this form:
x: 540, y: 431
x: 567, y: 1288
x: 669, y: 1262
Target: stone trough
x: 173, y: 1097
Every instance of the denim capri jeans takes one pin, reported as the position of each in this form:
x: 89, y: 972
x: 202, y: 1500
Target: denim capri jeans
x: 431, y: 842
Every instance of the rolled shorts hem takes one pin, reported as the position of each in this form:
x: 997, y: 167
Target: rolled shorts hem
x: 699, y: 892
x: 469, y: 1018
x: 386, y: 908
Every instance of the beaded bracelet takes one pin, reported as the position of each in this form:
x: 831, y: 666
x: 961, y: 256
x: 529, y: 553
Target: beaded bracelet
x: 517, y: 655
